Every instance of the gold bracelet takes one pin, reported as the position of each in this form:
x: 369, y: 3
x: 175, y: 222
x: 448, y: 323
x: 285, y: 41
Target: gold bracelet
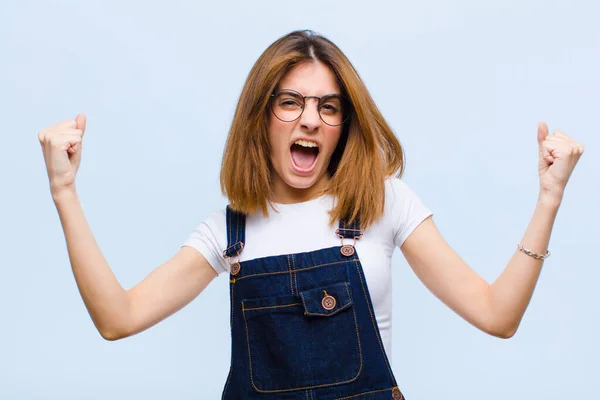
x: 532, y: 254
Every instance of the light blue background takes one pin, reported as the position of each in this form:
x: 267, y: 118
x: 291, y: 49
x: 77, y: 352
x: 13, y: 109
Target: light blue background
x: 462, y: 83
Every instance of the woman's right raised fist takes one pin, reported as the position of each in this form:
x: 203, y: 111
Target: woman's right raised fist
x: 61, y: 145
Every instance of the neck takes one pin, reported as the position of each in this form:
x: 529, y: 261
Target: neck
x: 285, y: 194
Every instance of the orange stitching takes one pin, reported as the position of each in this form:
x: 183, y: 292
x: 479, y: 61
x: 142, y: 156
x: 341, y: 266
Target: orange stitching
x: 362, y: 394
x: 228, y: 226
x: 375, y: 326
x: 237, y: 230
x: 295, y: 273
x: 290, y: 269
x: 232, y: 305
x: 248, y: 343
x: 300, y: 270
x: 231, y: 333
x: 333, y: 313
x: 266, y: 307
x: 306, y: 387
x: 348, y: 229
x: 337, y: 232
x: 235, y: 244
x: 357, y: 335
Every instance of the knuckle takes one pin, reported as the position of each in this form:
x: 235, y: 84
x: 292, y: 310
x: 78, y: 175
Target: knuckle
x: 56, y: 140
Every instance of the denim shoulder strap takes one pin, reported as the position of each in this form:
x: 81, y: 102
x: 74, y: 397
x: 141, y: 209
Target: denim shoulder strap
x: 236, y: 232
x: 349, y: 231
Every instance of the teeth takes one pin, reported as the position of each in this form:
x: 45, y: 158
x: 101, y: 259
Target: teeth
x: 305, y: 143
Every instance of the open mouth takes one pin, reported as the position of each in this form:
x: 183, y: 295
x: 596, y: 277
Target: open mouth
x: 304, y: 154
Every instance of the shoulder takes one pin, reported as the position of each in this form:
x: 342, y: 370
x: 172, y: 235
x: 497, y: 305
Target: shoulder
x: 404, y: 209
x: 214, y: 224
x: 394, y: 183
x: 217, y: 220
x: 396, y: 190
x: 210, y: 238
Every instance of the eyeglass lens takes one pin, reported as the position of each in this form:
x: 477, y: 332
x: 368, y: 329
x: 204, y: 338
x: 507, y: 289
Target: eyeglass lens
x: 288, y: 106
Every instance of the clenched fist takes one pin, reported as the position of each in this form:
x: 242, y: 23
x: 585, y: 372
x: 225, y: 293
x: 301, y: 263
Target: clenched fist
x: 558, y: 156
x: 61, y: 145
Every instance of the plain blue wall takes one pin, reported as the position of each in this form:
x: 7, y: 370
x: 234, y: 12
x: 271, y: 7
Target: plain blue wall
x: 462, y: 83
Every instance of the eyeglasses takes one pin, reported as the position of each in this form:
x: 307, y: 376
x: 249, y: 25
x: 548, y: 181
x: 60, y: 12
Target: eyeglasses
x: 288, y: 105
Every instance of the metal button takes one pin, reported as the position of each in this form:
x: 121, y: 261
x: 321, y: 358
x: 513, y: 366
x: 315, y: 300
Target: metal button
x: 396, y: 394
x: 328, y: 302
x: 235, y: 268
x: 347, y: 250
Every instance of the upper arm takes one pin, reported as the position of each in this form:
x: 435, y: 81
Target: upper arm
x: 167, y: 289
x: 446, y: 275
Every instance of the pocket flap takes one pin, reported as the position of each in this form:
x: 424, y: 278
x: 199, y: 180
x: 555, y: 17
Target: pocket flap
x: 327, y: 300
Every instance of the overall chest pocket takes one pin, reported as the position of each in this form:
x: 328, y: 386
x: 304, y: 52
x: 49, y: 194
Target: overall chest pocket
x: 305, y: 341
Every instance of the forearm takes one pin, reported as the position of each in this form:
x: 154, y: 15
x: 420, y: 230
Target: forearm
x: 105, y: 299
x: 510, y: 294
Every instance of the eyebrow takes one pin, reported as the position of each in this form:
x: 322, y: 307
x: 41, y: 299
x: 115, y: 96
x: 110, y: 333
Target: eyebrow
x: 296, y: 91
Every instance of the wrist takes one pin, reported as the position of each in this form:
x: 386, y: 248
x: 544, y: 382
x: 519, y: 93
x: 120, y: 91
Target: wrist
x: 549, y: 200
x: 63, y: 194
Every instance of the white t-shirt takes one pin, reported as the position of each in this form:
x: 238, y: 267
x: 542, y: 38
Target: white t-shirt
x: 303, y: 227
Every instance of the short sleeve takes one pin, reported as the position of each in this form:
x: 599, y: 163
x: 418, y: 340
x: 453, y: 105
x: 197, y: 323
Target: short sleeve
x: 209, y: 238
x: 406, y: 208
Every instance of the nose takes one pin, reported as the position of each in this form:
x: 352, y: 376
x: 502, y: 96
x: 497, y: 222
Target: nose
x: 310, y: 118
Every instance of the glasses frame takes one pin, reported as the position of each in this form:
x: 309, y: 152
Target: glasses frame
x: 345, y: 104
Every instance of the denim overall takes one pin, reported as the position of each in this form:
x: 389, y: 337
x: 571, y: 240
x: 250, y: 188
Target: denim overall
x: 303, y: 326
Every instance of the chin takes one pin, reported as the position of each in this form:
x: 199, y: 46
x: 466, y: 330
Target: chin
x: 304, y: 182
x: 301, y: 182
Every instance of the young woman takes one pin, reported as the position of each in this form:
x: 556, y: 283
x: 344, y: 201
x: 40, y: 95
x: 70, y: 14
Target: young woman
x: 311, y: 170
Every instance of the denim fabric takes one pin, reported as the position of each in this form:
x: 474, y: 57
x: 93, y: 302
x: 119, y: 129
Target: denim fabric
x: 303, y: 326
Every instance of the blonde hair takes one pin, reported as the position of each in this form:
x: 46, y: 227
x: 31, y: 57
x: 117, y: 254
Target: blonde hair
x: 368, y: 152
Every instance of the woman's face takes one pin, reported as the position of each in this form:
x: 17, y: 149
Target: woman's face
x: 301, y: 149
